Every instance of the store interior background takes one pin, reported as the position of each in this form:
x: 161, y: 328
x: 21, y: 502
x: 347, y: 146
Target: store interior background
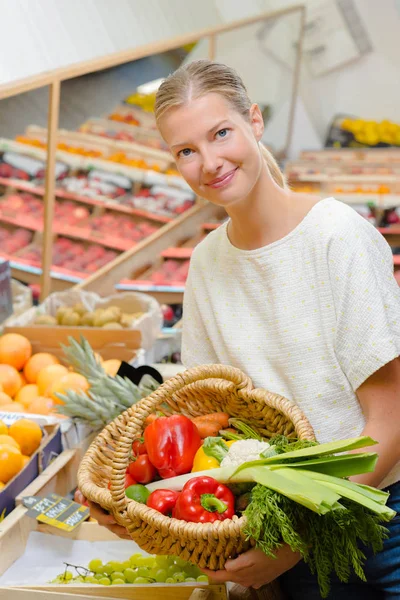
x: 368, y: 87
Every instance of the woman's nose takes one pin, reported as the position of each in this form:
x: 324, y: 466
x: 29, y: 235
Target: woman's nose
x: 211, y: 162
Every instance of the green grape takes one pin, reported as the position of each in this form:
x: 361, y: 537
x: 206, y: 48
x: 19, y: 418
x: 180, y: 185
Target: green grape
x: 161, y: 575
x: 202, y: 579
x: 90, y: 579
x: 145, y: 561
x: 130, y: 575
x: 180, y: 562
x: 134, y: 558
x: 125, y: 565
x: 108, y: 569
x: 162, y: 561
x: 179, y: 577
x: 118, y: 581
x: 99, y: 576
x: 94, y: 564
x: 116, y: 566
x: 143, y: 572
x: 192, y: 571
x: 187, y: 579
x: 117, y: 575
x: 104, y: 581
x: 79, y: 579
x: 99, y: 570
x: 172, y: 569
x: 170, y: 580
x: 142, y: 580
x: 67, y: 576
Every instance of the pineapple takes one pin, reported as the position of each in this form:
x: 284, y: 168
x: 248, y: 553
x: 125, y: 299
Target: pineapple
x: 108, y: 396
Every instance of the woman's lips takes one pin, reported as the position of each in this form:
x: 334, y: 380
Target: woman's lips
x: 222, y: 181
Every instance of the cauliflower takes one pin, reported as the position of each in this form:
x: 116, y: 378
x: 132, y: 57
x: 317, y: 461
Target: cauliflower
x: 244, y: 451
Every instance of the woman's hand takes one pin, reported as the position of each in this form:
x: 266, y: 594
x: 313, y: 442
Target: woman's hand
x: 254, y: 568
x: 106, y: 520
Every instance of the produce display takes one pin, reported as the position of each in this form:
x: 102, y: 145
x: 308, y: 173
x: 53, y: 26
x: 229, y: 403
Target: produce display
x: 136, y: 569
x: 17, y: 443
x: 160, y: 201
x: 351, y: 132
x: 14, y: 239
x: 123, y: 132
x: 78, y: 316
x: 72, y: 256
x: 213, y: 467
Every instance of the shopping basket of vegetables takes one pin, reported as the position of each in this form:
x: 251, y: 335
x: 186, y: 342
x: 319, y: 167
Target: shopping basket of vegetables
x: 208, y: 466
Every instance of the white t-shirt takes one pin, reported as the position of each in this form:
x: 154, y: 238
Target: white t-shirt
x: 310, y: 316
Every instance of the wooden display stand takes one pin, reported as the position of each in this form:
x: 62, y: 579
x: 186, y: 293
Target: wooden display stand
x: 14, y: 535
x: 145, y: 253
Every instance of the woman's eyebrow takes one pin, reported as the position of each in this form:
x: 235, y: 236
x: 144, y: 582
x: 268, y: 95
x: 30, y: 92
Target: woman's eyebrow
x: 217, y: 126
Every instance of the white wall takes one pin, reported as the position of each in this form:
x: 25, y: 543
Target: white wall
x: 40, y: 35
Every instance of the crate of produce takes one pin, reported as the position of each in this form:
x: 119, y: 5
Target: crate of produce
x: 121, y: 322
x: 36, y: 447
x: 22, y: 537
x: 123, y: 132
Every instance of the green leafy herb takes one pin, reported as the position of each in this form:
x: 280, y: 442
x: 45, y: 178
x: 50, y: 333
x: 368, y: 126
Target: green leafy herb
x: 328, y: 543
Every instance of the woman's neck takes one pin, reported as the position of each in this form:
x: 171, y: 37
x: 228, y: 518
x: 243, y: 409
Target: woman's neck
x: 267, y: 215
x: 261, y: 218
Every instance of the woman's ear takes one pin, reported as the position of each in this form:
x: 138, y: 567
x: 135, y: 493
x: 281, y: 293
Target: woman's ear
x: 256, y: 121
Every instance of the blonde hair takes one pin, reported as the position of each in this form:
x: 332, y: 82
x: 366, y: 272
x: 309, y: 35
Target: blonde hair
x: 202, y: 77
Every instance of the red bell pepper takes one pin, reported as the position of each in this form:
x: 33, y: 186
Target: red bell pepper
x: 163, y: 501
x: 171, y: 444
x: 204, y: 500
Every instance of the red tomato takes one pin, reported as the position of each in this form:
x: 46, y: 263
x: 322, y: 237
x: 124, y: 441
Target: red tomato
x: 139, y: 447
x: 128, y: 481
x: 142, y: 470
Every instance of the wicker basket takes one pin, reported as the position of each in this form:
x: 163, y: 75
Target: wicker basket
x: 197, y: 391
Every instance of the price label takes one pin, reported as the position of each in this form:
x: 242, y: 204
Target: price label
x: 57, y: 511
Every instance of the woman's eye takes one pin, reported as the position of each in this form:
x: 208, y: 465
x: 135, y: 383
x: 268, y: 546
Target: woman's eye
x: 222, y: 133
x: 184, y: 152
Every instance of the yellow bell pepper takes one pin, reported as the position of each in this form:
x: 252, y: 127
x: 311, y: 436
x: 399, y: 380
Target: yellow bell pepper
x: 203, y: 462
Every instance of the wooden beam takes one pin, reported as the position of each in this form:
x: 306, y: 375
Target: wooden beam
x: 118, y: 58
x: 212, y: 46
x: 296, y: 81
x: 53, y: 117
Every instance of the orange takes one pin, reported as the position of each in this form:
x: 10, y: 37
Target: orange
x: 26, y: 394
x: 23, y: 378
x: 7, y: 440
x: 10, y: 462
x: 111, y: 366
x: 10, y: 379
x: 40, y: 406
x: 38, y: 362
x: 28, y: 435
x: 4, y: 399
x: 15, y: 350
x: 25, y: 460
x: 13, y: 407
x: 71, y: 381
x: 48, y: 376
x: 3, y: 428
x: 2, y: 485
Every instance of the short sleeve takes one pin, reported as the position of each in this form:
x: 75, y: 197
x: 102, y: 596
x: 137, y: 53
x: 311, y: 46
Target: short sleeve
x: 197, y: 348
x: 366, y: 298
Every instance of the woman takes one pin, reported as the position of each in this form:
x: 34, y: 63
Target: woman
x: 297, y: 292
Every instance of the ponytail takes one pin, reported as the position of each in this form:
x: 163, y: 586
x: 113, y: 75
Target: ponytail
x: 273, y: 166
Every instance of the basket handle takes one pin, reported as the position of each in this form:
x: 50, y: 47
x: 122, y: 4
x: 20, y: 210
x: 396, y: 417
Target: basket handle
x: 217, y: 371
x: 287, y: 408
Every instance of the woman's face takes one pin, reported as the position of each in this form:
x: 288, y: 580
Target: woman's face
x: 216, y: 150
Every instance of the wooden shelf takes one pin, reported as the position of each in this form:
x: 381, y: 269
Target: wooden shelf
x: 97, y: 201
